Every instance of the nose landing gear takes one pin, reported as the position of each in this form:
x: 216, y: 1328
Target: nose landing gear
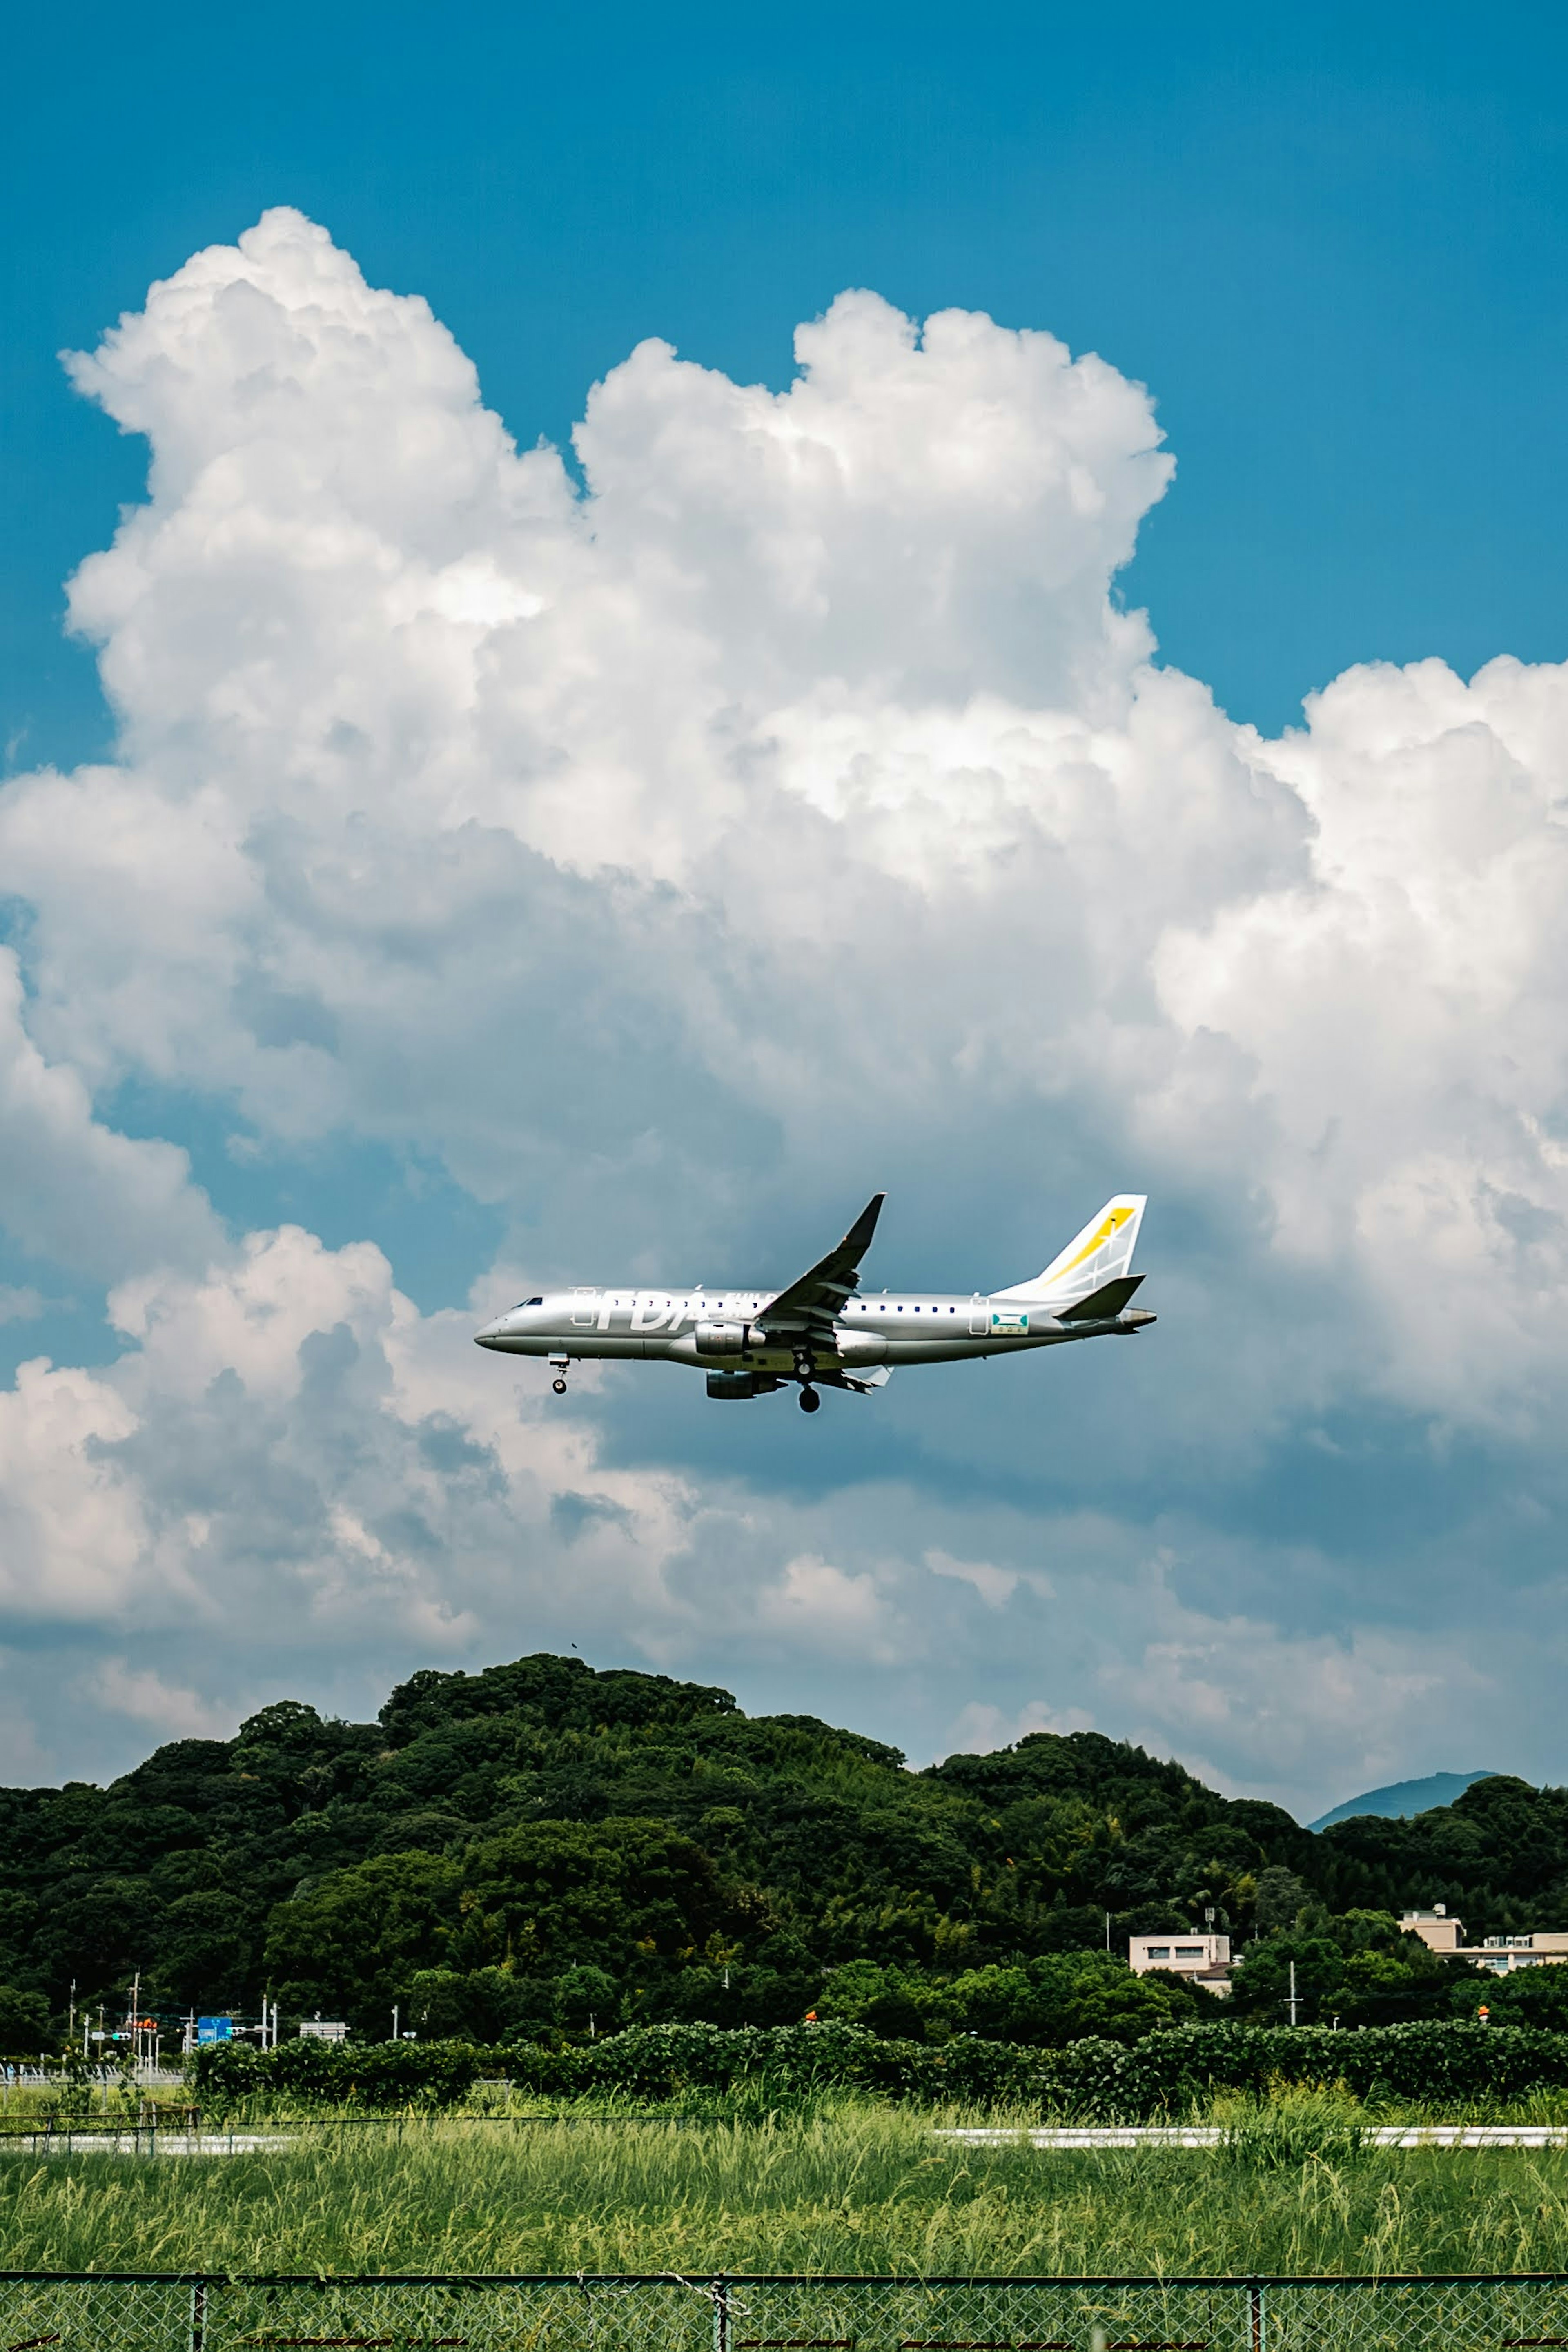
x: 559, y: 1385
x: 809, y: 1400
x: 558, y: 1366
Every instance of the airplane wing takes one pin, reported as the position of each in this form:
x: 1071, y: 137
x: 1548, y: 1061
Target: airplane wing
x: 806, y: 1311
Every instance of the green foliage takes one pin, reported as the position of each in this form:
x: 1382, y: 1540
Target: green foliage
x: 367, y: 1930
x: 1444, y: 2067
x: 1293, y: 2128
x: 902, y: 2003
x: 1055, y: 1999
x: 1170, y: 2071
x: 23, y: 2022
x: 1360, y: 1967
x: 476, y: 2005
x: 493, y: 1836
x: 1072, y: 1997
x: 309, y: 2072
x: 540, y: 1819
x: 1537, y: 1996
x: 1497, y: 1856
x: 1279, y: 1896
x: 586, y: 2000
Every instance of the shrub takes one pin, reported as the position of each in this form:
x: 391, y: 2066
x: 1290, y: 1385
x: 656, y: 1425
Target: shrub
x: 1439, y: 2064
x: 377, y: 2074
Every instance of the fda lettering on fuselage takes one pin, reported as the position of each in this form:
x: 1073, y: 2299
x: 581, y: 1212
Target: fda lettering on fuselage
x: 822, y: 1331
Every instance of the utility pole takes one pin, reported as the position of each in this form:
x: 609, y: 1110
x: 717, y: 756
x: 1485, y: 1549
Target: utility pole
x: 1108, y: 1931
x: 70, y: 2029
x: 1292, y: 1993
x: 395, y: 2020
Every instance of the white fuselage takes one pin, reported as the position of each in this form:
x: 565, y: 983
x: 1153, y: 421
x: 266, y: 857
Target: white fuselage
x: 711, y: 1328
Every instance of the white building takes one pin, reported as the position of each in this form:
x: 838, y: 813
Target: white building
x: 1204, y: 1959
x: 1501, y: 1954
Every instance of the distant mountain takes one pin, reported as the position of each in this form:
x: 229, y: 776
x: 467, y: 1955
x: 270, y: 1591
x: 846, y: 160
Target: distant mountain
x: 1403, y: 1799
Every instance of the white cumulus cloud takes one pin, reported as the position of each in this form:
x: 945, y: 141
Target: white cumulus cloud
x: 791, y: 807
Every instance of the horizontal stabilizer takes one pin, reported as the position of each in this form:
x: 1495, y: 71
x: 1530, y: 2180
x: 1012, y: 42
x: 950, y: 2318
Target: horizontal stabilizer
x: 1110, y: 1299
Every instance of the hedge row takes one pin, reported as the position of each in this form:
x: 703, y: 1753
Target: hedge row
x: 1444, y: 2064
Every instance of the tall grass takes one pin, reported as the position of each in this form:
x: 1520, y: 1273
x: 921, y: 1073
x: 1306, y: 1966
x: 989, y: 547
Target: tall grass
x: 852, y: 2188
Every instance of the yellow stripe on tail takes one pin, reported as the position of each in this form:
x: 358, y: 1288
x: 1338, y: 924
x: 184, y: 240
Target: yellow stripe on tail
x: 1093, y: 1257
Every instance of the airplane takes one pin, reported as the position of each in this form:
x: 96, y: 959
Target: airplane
x: 821, y: 1332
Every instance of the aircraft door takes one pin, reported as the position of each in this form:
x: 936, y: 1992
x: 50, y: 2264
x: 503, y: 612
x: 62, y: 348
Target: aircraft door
x: 584, y: 1306
x: 979, y: 1316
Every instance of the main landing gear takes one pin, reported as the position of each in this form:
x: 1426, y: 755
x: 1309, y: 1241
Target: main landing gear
x: 804, y: 1367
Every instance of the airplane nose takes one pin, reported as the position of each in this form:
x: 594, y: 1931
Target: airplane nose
x: 490, y: 1337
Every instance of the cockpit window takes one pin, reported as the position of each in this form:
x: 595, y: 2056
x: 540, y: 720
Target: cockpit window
x: 526, y: 1302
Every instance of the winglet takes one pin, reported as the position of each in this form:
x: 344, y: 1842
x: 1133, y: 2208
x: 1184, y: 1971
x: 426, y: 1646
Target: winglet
x: 857, y: 1240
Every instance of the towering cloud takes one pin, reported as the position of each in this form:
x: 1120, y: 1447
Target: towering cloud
x: 789, y: 806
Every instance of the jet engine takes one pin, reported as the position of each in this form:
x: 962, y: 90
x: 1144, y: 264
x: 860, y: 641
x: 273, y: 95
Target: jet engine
x: 741, y: 1384
x: 720, y: 1338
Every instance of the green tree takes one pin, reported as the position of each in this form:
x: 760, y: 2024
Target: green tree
x: 586, y: 2000
x: 476, y: 2005
x: 715, y: 1866
x: 902, y: 2003
x: 1278, y: 1896
x: 100, y: 1930
x: 207, y: 1949
x: 627, y: 1894
x: 1069, y: 1997
x: 1533, y: 1996
x: 351, y: 1946
x: 1360, y: 1967
x: 25, y: 2027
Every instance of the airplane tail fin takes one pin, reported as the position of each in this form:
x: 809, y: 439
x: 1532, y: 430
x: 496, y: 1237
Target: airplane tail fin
x: 1101, y: 1254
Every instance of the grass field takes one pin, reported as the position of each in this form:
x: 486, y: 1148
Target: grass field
x: 855, y: 2187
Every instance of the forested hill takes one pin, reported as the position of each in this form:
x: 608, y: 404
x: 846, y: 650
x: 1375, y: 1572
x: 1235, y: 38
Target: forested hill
x: 502, y: 1849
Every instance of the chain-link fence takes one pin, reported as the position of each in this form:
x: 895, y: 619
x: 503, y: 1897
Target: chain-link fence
x: 76, y: 2313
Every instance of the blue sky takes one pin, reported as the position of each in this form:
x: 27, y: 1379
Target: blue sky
x: 1330, y: 246
x: 1330, y: 240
